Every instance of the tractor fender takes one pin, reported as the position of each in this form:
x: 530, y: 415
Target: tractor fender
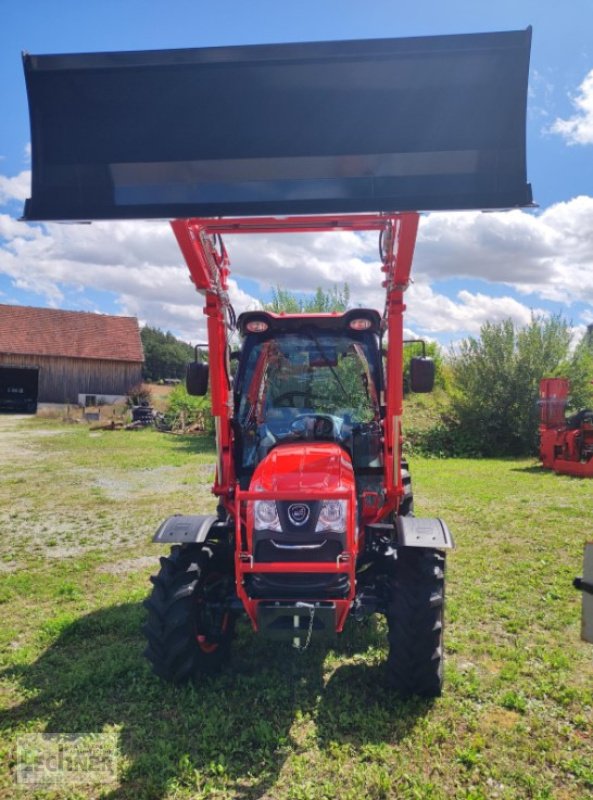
x: 419, y: 532
x: 185, y: 529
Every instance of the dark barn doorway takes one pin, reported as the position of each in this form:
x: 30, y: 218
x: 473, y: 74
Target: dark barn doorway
x: 19, y: 389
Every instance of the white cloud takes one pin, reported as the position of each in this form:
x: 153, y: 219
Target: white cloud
x: 301, y: 262
x: 184, y: 318
x: 15, y: 188
x: 436, y: 313
x: 139, y: 261
x: 578, y: 129
x: 11, y: 229
x: 577, y: 332
x: 547, y: 255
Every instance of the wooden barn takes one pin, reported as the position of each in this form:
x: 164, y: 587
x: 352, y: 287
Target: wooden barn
x: 66, y: 356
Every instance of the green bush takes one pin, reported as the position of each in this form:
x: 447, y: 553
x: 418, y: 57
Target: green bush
x: 491, y: 403
x: 192, y: 410
x: 496, y: 382
x: 446, y: 439
x: 322, y: 302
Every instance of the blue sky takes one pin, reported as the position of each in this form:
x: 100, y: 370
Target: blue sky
x: 468, y: 269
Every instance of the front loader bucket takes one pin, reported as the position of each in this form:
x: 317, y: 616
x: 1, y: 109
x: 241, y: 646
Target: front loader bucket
x: 378, y: 125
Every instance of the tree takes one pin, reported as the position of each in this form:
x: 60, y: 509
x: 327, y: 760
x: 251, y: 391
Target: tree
x: 497, y: 375
x: 322, y: 302
x: 165, y: 356
x: 579, y: 371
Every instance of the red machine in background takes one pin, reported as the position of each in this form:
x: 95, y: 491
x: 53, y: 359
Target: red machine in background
x: 566, y: 443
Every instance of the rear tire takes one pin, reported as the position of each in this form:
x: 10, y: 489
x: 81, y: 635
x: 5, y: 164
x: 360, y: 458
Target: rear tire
x: 185, y: 637
x: 415, y: 617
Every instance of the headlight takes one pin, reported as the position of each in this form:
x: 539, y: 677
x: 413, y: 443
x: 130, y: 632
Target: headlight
x: 266, y: 515
x: 332, y: 516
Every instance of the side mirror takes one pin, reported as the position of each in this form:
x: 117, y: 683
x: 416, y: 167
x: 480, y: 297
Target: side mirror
x: 196, y: 378
x: 422, y: 373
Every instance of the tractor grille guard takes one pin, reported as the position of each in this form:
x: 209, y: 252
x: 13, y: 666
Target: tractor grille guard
x: 245, y: 565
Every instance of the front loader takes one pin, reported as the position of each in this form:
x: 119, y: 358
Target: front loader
x: 315, y: 519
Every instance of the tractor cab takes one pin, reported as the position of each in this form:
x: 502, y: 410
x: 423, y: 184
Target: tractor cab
x: 309, y: 378
x: 308, y: 427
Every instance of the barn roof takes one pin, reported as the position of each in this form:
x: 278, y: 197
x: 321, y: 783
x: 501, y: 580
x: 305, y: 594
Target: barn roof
x: 71, y: 334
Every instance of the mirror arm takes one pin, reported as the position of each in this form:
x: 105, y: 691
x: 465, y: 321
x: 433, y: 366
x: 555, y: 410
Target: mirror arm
x: 417, y: 341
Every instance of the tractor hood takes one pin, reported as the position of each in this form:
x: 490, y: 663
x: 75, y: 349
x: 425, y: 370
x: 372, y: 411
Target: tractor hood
x: 300, y: 468
x: 424, y: 123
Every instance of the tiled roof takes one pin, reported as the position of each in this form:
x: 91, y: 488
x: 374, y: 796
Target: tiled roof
x: 72, y: 334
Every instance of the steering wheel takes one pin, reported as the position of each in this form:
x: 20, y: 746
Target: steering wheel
x: 313, y: 427
x: 289, y: 398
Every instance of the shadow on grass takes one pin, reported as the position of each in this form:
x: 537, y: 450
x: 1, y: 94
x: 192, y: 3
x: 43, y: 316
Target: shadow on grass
x: 232, y: 733
x: 530, y: 470
x: 547, y: 473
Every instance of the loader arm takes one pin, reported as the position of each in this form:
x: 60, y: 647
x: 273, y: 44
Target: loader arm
x: 209, y: 270
x: 210, y: 267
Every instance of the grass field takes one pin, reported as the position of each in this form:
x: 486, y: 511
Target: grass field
x: 516, y: 720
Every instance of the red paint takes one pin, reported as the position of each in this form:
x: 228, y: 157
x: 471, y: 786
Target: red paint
x: 568, y: 451
x: 311, y: 466
x: 307, y: 471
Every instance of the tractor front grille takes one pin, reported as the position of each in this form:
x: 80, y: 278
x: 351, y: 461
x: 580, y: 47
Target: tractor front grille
x: 297, y: 542
x: 283, y: 549
x: 299, y: 586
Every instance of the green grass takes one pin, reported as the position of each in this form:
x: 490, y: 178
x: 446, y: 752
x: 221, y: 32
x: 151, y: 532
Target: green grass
x: 64, y: 490
x: 516, y: 718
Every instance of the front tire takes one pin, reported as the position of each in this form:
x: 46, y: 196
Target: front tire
x: 415, y: 618
x: 186, y: 637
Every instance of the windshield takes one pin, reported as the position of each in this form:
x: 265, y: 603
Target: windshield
x: 312, y: 386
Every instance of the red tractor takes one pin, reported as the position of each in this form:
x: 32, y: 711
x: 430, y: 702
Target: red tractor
x: 315, y: 519
x: 566, y: 443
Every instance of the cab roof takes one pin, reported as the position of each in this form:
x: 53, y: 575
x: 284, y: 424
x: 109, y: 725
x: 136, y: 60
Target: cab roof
x: 288, y: 323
